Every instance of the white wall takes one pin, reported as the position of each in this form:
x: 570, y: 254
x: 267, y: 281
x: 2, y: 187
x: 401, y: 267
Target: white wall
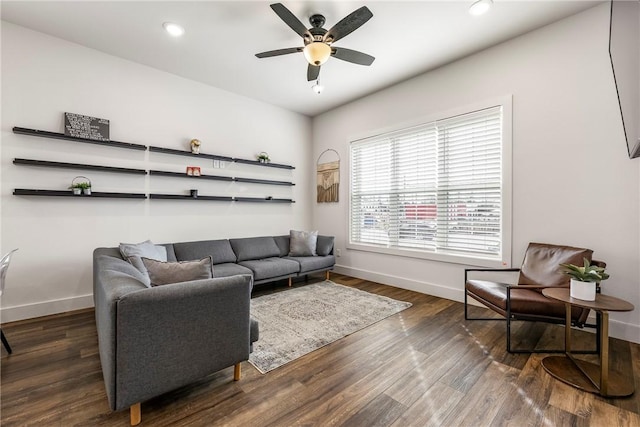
x: 572, y: 180
x: 42, y: 77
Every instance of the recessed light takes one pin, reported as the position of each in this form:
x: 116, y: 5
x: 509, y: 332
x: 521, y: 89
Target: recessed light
x: 174, y: 29
x: 480, y: 7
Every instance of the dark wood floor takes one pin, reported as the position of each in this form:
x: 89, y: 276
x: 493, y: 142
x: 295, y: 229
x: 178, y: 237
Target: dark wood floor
x: 425, y: 366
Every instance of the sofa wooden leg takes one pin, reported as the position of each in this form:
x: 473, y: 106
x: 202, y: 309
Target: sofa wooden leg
x: 327, y: 275
x: 136, y: 415
x: 236, y: 372
x: 290, y: 281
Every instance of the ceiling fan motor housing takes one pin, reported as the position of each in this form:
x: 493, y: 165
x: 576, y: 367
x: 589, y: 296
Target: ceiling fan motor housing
x: 316, y: 30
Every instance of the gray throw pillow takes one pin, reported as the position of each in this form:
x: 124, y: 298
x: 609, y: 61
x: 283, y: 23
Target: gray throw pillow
x: 302, y: 243
x: 164, y: 273
x: 133, y: 252
x: 325, y: 245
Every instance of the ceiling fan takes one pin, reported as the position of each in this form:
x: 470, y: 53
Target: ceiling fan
x: 317, y: 40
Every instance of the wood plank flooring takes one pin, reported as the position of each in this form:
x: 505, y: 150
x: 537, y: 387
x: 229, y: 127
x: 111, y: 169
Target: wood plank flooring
x: 425, y: 366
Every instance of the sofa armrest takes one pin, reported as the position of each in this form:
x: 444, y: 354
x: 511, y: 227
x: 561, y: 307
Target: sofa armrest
x: 172, y: 335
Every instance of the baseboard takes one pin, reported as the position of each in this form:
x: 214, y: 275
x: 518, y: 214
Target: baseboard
x: 401, y: 282
x: 29, y: 311
x: 617, y: 329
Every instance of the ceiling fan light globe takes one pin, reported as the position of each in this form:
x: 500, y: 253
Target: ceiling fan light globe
x: 317, y: 53
x: 317, y: 88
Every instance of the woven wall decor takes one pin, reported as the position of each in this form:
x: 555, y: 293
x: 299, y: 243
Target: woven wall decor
x: 328, y: 178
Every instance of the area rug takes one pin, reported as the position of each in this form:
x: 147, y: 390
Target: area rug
x: 298, y: 321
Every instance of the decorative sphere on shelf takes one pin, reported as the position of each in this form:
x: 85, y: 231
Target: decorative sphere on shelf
x: 195, y: 146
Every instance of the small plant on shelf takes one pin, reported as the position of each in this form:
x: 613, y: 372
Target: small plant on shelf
x: 81, y: 186
x: 263, y: 157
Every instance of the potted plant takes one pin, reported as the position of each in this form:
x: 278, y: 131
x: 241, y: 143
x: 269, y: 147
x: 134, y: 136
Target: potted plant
x: 86, y: 188
x: 263, y: 157
x: 584, y: 279
x: 78, y: 187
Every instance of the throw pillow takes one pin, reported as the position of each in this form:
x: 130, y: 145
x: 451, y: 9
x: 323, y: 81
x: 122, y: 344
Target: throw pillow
x: 302, y: 243
x: 133, y: 252
x: 325, y: 245
x: 164, y: 273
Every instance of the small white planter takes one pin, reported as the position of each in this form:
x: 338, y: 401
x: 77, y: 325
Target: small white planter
x: 86, y: 191
x: 77, y: 191
x: 583, y: 290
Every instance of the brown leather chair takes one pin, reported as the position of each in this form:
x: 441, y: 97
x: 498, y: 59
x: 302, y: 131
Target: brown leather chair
x: 524, y: 301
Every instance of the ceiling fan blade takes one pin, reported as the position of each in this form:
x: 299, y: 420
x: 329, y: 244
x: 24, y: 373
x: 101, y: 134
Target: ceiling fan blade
x: 348, y: 24
x: 291, y: 20
x: 352, y: 56
x: 312, y: 72
x: 279, y: 52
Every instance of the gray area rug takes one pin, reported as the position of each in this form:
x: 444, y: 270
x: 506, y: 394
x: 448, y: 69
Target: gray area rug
x: 298, y: 321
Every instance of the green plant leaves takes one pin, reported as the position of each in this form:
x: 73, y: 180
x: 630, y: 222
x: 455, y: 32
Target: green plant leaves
x: 586, y: 273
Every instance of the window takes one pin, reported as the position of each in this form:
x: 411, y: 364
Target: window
x: 435, y: 190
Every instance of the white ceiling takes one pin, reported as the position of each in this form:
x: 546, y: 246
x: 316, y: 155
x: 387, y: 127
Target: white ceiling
x: 406, y: 37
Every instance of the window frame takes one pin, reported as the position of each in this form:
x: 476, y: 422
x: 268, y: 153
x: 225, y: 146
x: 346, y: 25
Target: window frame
x: 506, y: 185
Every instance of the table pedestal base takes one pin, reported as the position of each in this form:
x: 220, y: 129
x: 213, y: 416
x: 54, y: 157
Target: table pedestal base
x: 564, y: 369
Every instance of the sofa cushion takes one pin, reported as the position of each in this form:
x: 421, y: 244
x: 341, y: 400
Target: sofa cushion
x: 171, y: 255
x: 219, y: 250
x: 271, y: 267
x: 229, y: 269
x: 302, y: 243
x: 132, y: 252
x: 118, y: 271
x: 313, y: 263
x: 324, y: 246
x: 164, y: 273
x: 254, y: 248
x: 283, y: 244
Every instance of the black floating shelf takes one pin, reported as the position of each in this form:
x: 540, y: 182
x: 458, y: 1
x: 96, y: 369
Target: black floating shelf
x: 46, y: 163
x: 263, y: 181
x: 68, y: 193
x: 188, y: 153
x: 257, y: 163
x: 187, y: 197
x: 55, y: 135
x: 184, y: 175
x: 262, y: 200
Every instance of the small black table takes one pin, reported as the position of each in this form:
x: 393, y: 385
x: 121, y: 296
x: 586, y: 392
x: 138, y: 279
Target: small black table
x: 585, y: 375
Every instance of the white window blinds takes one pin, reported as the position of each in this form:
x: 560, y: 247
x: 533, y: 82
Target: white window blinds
x: 435, y: 187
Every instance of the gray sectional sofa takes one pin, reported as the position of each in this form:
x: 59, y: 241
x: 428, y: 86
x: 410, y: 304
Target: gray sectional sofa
x: 155, y: 339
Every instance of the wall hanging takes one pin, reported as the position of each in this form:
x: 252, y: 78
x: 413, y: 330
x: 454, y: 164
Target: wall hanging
x: 328, y: 178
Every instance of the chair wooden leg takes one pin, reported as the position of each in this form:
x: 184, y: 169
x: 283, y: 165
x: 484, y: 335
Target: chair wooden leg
x: 236, y: 372
x: 290, y: 281
x: 136, y: 416
x: 327, y: 275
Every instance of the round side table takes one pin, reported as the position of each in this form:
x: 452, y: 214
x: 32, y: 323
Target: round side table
x: 585, y: 375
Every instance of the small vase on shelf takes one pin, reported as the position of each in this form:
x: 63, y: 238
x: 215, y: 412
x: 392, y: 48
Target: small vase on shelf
x: 195, y: 146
